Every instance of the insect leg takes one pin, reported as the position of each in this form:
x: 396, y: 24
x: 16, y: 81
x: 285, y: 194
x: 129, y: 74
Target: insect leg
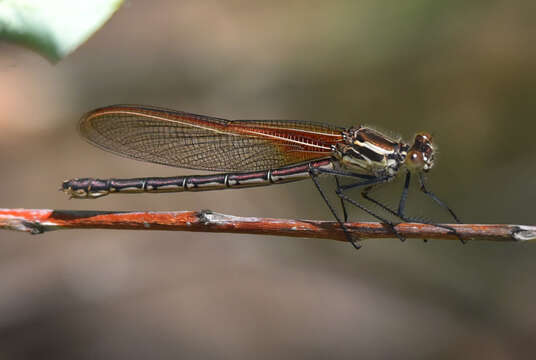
x: 443, y: 205
x: 345, y: 213
x: 351, y: 239
x: 369, y: 183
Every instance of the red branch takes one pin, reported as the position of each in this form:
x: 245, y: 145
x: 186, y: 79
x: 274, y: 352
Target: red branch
x: 37, y: 221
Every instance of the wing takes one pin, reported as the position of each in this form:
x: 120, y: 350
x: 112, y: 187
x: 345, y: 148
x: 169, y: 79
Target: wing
x: 192, y: 141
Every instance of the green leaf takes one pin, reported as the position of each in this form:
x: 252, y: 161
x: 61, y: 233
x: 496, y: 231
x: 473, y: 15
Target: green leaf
x: 53, y: 28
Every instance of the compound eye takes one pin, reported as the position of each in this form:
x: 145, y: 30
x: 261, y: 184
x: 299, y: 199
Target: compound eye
x: 415, y: 161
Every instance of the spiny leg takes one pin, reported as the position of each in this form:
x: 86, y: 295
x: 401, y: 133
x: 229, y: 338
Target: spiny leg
x: 404, y: 195
x: 442, y: 204
x: 314, y: 174
x: 404, y: 198
x: 402, y: 204
x: 369, y: 180
x: 343, y: 206
x: 436, y: 199
x: 370, y: 183
x: 337, y: 173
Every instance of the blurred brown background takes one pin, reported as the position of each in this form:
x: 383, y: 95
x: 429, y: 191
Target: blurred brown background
x: 464, y: 71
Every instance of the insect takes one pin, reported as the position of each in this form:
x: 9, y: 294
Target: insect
x: 251, y: 153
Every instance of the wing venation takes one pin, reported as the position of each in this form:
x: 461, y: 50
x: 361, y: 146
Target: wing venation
x: 193, y: 141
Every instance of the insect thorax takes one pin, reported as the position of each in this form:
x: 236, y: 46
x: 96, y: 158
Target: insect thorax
x: 366, y: 150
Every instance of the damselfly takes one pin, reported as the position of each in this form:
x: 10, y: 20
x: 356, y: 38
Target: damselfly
x: 253, y: 153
